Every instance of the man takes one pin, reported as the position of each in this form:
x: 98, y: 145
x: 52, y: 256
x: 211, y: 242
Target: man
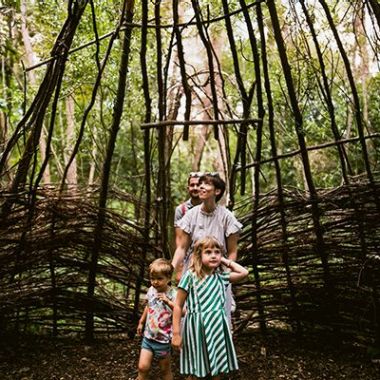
x: 193, y: 190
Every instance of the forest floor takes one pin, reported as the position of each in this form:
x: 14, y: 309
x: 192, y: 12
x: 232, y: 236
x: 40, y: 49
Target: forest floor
x: 279, y: 356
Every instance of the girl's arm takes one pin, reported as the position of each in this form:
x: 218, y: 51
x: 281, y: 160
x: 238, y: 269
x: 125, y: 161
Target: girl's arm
x: 232, y: 246
x: 140, y: 326
x: 182, y: 245
x: 177, y: 313
x: 238, y: 272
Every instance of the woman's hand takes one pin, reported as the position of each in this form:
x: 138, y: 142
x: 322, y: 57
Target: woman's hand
x: 177, y: 342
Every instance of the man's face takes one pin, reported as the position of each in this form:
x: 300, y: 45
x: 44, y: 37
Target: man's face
x: 193, y: 188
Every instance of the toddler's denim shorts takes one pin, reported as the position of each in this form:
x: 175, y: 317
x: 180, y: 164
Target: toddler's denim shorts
x: 160, y: 350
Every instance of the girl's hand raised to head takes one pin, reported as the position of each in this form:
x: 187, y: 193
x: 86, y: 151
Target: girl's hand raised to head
x: 177, y: 342
x: 237, y: 273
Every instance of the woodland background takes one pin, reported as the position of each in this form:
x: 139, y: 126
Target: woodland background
x: 106, y: 106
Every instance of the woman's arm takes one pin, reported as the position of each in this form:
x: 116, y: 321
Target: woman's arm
x: 238, y: 272
x: 182, y: 245
x: 232, y: 246
x: 177, y: 313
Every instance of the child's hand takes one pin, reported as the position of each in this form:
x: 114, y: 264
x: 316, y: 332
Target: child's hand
x: 162, y: 297
x: 226, y: 263
x: 140, y: 328
x: 177, y: 342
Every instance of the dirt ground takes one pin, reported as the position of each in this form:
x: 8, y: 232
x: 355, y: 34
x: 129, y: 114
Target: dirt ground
x: 279, y: 356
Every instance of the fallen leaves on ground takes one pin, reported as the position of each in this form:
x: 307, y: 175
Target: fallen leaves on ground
x: 279, y: 356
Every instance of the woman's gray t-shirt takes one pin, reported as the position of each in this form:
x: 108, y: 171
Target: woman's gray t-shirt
x: 220, y: 224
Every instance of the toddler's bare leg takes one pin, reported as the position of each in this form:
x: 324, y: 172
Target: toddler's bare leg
x: 145, y: 362
x: 165, y: 367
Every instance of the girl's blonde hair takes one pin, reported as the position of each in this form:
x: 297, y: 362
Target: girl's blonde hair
x: 161, y: 267
x: 201, y: 244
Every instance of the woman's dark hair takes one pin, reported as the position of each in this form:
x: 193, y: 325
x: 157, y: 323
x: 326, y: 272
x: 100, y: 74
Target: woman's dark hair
x: 215, y: 180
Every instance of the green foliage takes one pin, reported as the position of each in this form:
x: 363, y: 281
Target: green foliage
x: 44, y: 21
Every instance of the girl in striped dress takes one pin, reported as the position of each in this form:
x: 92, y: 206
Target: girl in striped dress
x: 206, y: 343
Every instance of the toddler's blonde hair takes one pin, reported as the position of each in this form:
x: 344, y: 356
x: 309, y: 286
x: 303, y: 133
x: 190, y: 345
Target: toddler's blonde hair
x: 161, y: 267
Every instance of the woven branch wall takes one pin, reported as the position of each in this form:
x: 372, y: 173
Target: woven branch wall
x: 43, y: 282
x: 68, y: 263
x: 45, y: 260
x: 301, y: 289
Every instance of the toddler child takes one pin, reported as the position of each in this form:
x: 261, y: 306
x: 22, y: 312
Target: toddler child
x: 157, y: 318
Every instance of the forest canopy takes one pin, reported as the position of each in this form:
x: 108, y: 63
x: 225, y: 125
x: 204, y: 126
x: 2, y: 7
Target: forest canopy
x: 31, y: 28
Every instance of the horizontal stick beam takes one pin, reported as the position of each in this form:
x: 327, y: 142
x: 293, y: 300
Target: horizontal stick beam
x: 166, y: 123
x: 314, y: 147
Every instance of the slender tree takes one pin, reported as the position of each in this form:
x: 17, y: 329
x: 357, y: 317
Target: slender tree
x: 127, y: 12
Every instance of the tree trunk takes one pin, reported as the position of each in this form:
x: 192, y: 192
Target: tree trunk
x: 71, y: 178
x: 375, y: 5
x: 363, y: 71
x: 128, y: 7
x: 298, y: 120
x: 31, y: 60
x: 355, y: 95
x: 91, y: 174
x: 6, y: 73
x: 34, y: 117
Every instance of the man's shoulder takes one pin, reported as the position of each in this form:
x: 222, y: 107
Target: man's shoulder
x: 194, y: 209
x: 181, y: 210
x: 187, y: 204
x: 191, y: 209
x: 184, y: 205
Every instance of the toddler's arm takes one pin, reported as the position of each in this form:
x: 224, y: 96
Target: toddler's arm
x: 166, y: 300
x: 177, y: 313
x: 238, y: 272
x: 140, y: 326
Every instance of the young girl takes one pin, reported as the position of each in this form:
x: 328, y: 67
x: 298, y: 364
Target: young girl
x: 157, y: 318
x: 206, y: 342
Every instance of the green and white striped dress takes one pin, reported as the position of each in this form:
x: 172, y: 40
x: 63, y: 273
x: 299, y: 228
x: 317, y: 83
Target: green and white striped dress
x: 207, y: 347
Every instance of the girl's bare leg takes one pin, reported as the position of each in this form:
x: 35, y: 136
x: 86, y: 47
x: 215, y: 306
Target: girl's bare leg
x: 165, y: 367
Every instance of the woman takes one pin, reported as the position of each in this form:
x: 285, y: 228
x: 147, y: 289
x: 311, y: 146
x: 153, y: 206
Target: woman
x: 207, y: 219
